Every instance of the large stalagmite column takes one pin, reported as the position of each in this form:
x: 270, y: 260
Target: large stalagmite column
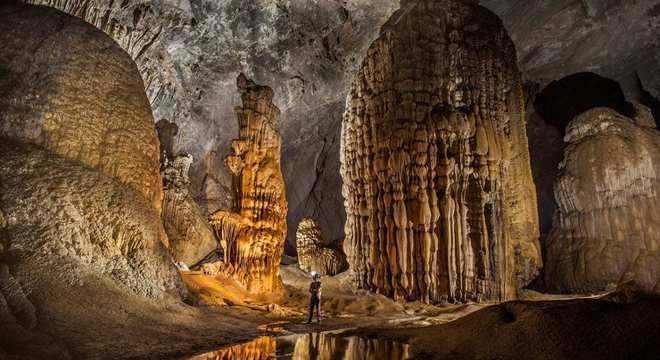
x: 253, y: 235
x: 437, y: 181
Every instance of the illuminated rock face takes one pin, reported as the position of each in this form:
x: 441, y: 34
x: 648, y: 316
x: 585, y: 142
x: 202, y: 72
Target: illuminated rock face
x: 253, y: 235
x: 312, y: 255
x: 189, y: 234
x: 79, y: 181
x: 607, y: 227
x: 73, y: 227
x: 90, y: 108
x: 435, y: 167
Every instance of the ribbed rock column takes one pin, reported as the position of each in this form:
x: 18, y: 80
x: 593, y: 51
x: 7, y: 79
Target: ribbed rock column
x: 436, y: 175
x: 312, y: 253
x: 253, y: 235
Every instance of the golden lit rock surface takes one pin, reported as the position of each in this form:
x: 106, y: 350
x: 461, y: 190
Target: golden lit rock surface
x: 72, y: 226
x: 607, y: 227
x: 253, y: 235
x: 189, y: 234
x: 312, y: 255
x: 70, y: 88
x: 437, y: 181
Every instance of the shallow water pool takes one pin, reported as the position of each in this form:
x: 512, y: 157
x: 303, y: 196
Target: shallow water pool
x: 314, y: 346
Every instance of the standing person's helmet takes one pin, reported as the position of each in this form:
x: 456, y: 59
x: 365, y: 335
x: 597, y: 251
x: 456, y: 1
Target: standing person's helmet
x: 316, y: 276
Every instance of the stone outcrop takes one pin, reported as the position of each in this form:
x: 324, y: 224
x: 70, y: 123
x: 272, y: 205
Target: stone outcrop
x: 80, y: 187
x: 189, y: 234
x: 79, y: 95
x: 15, y: 308
x: 253, y: 234
x: 73, y: 227
x: 313, y: 255
x: 607, y: 227
x: 437, y: 182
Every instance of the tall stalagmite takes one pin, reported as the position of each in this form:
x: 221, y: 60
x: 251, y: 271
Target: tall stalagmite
x: 253, y: 235
x: 607, y: 226
x: 437, y: 181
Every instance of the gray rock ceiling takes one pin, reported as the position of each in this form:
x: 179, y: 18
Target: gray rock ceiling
x: 190, y: 51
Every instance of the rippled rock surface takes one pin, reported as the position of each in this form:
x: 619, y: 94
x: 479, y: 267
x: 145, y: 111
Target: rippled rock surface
x: 437, y: 181
x: 253, y: 234
x: 607, y: 227
x: 313, y: 253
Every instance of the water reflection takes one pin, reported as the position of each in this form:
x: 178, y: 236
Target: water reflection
x: 314, y: 346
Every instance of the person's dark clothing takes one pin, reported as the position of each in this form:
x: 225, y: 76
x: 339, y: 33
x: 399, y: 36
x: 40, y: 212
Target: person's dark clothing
x: 315, y: 301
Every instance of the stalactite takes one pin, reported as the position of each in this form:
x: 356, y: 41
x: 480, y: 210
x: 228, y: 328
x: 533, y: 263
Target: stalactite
x: 437, y: 183
x: 312, y: 255
x: 253, y: 234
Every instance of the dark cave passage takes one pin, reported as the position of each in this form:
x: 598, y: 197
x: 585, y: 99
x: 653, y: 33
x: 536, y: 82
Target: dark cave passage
x: 564, y: 99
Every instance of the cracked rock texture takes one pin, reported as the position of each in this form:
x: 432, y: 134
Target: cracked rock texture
x: 607, y: 226
x: 313, y: 255
x: 189, y: 53
x: 68, y: 87
x: 253, y: 234
x: 438, y: 189
x: 188, y: 231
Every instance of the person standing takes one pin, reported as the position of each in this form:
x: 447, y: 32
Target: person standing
x: 315, y: 298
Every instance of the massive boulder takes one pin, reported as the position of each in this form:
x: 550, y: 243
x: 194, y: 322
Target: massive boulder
x: 437, y: 181
x: 607, y: 227
x: 313, y: 253
x: 253, y: 234
x: 80, y: 188
x: 72, y: 226
x: 77, y: 94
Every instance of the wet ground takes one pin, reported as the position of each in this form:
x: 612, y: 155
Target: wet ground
x: 319, y: 345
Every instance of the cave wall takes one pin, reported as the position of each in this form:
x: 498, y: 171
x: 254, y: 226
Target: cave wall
x: 606, y: 228
x: 437, y: 182
x: 190, y: 52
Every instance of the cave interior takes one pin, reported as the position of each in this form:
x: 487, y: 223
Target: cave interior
x: 446, y: 179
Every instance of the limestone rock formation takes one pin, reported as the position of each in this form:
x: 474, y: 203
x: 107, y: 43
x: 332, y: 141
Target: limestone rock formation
x: 189, y: 51
x: 189, y: 234
x: 253, y: 235
x: 78, y: 95
x: 437, y: 182
x: 72, y: 226
x: 80, y: 188
x: 607, y: 227
x: 313, y: 255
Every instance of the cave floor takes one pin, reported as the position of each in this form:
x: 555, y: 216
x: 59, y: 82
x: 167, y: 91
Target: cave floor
x: 540, y: 326
x: 606, y: 325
